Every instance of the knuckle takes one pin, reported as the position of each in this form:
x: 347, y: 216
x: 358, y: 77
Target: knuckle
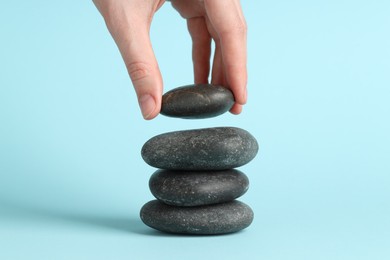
x: 138, y: 70
x: 239, y: 29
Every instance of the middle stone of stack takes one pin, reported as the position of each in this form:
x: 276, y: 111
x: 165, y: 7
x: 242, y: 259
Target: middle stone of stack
x: 197, y: 188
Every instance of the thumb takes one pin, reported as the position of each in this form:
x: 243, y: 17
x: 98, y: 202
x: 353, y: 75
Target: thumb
x: 136, y: 50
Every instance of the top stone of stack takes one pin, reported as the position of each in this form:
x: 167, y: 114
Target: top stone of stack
x: 217, y: 148
x: 197, y: 101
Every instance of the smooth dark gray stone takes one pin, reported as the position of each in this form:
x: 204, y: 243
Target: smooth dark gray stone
x: 216, y: 148
x: 202, y: 220
x: 197, y: 101
x: 184, y: 188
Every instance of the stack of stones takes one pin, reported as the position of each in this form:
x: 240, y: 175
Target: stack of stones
x: 197, y: 185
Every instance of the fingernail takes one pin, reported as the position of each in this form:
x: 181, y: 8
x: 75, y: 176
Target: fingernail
x: 147, y: 104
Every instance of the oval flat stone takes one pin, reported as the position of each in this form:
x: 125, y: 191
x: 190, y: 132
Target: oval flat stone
x: 183, y: 188
x: 216, y: 148
x: 197, y: 101
x: 202, y: 220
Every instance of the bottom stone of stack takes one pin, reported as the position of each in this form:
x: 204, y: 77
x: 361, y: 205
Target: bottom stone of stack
x: 213, y: 219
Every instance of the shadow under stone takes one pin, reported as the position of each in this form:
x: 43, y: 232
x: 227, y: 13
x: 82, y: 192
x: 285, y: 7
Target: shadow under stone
x: 29, y: 213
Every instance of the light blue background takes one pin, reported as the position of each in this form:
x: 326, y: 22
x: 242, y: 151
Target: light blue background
x: 72, y: 180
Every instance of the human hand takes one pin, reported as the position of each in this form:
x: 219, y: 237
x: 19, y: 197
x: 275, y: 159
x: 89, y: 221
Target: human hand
x: 221, y: 20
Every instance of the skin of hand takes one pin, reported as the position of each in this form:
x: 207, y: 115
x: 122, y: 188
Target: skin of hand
x: 221, y: 21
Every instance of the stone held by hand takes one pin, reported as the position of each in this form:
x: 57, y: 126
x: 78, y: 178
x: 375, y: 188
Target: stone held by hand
x: 197, y: 101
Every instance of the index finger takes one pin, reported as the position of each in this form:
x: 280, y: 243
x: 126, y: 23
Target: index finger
x: 227, y: 18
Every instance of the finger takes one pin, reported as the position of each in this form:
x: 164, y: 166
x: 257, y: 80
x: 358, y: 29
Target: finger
x: 218, y: 74
x: 144, y: 72
x: 229, y: 23
x: 201, y: 49
x: 219, y: 78
x: 236, y: 109
x: 131, y: 34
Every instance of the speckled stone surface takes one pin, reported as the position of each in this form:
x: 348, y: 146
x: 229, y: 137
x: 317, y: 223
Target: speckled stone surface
x: 216, y: 148
x: 184, y: 188
x: 202, y: 220
x: 197, y: 101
